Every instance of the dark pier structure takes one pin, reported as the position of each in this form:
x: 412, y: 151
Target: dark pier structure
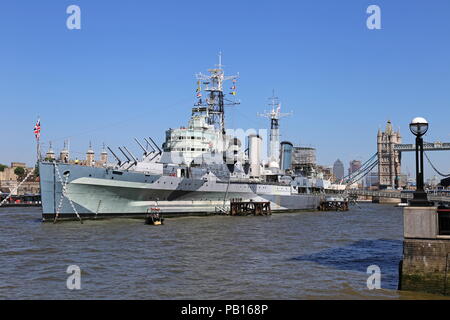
x: 26, y: 200
x: 240, y: 208
x: 333, y: 205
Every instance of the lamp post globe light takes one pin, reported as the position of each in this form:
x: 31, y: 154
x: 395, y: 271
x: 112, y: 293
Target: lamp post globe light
x: 419, y: 126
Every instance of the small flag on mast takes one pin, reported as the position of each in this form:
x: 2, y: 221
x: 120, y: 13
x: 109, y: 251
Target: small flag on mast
x: 37, y: 129
x: 233, y: 88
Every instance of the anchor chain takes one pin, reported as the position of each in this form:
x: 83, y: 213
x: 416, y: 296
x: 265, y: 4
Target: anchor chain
x: 63, y: 184
x: 64, y: 194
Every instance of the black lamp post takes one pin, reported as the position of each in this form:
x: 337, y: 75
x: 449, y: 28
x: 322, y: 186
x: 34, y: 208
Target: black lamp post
x: 419, y: 126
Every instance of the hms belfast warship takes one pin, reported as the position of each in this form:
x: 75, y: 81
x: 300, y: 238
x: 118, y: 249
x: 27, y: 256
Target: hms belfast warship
x: 199, y: 169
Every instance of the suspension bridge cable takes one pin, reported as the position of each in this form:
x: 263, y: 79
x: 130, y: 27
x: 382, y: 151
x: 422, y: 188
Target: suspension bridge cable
x: 367, y: 172
x: 434, y: 168
x: 362, y: 174
x: 362, y: 170
x: 363, y: 167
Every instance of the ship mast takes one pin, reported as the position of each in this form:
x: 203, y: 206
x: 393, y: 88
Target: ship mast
x: 213, y: 105
x: 275, y: 115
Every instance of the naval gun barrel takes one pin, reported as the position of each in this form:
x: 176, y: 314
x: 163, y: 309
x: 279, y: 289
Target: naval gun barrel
x: 129, y: 152
x: 148, y: 142
x: 140, y: 145
x: 155, y: 145
x: 129, y: 160
x: 119, y: 162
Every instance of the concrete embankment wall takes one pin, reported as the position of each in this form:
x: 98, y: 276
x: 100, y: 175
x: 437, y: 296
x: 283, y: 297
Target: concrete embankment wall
x: 425, y: 264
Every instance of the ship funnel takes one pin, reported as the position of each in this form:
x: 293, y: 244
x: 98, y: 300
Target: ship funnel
x: 254, y: 154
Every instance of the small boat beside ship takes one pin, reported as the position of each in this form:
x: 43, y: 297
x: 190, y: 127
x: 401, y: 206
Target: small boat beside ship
x: 154, y: 218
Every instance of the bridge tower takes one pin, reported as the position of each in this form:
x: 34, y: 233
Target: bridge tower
x: 389, y: 160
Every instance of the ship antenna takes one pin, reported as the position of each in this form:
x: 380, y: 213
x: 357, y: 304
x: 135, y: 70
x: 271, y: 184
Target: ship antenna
x: 274, y: 117
x: 220, y: 66
x: 213, y: 106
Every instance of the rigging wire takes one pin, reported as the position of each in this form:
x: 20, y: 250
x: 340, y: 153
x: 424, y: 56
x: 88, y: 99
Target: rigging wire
x: 434, y: 168
x: 120, y: 122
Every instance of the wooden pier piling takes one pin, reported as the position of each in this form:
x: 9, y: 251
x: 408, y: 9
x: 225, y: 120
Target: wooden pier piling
x: 250, y: 208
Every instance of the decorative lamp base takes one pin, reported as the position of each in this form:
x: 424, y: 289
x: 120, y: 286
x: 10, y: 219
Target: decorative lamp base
x: 420, y: 199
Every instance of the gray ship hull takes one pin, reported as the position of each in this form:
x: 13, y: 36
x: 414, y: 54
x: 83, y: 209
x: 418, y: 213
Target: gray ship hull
x: 104, y: 192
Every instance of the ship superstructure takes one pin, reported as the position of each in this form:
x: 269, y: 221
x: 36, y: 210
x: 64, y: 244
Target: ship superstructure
x: 203, y: 140
x: 197, y: 171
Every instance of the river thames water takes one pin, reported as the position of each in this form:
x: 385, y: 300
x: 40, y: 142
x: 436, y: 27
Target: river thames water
x: 307, y: 255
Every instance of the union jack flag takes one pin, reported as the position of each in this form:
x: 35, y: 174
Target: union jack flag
x: 37, y: 129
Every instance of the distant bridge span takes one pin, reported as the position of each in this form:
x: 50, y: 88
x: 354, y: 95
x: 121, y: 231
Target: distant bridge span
x: 427, y: 146
x: 436, y: 197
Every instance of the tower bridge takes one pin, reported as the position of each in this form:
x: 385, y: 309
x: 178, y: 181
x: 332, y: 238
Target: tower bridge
x: 388, y: 159
x: 390, y: 149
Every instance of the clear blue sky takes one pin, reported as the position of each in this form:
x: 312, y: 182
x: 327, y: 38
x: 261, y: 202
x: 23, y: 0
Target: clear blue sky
x: 130, y: 70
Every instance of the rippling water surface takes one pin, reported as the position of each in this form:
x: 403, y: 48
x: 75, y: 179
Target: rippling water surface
x: 307, y: 255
